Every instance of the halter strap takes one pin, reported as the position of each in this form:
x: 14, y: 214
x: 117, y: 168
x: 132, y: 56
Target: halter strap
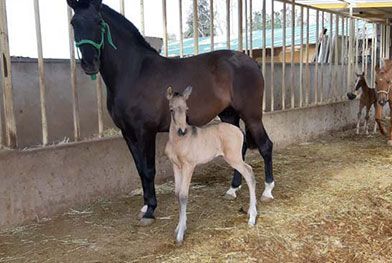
x: 104, y: 29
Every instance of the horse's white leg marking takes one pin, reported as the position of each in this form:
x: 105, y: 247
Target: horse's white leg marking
x: 389, y: 142
x: 231, y: 193
x: 367, y: 121
x: 267, y: 194
x: 358, y: 121
x: 375, y: 127
x: 143, y: 210
x: 183, y: 200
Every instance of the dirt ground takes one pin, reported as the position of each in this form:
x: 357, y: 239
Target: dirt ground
x: 333, y: 203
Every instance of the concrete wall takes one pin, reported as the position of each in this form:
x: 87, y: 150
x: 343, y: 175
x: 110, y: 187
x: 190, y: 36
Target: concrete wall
x: 42, y: 182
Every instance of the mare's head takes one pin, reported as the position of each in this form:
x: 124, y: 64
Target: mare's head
x: 359, y: 83
x: 89, y: 29
x: 384, y: 82
x: 178, y: 109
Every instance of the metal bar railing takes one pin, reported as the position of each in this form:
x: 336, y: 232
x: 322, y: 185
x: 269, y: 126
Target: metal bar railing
x: 6, y: 79
x: 180, y: 28
x: 41, y: 74
x: 264, y: 35
x: 307, y: 86
x: 164, y: 24
x: 195, y: 28
x: 142, y: 19
x: 283, y: 90
x: 336, y: 60
x: 292, y: 81
x: 330, y: 39
x: 75, y: 96
x: 240, y: 39
x: 301, y: 55
x: 98, y: 89
x: 316, y: 73
x: 251, y: 28
x: 322, y: 59
x: 246, y: 27
x: 228, y: 24
x: 272, y: 54
x: 122, y: 7
x: 212, y: 25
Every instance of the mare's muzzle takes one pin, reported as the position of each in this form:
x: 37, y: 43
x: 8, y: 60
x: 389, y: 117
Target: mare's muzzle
x: 351, y: 95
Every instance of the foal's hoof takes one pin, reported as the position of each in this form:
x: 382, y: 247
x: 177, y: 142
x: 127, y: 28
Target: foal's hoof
x: 179, y: 243
x: 266, y: 199
x: 146, y: 221
x: 390, y: 143
x: 229, y: 196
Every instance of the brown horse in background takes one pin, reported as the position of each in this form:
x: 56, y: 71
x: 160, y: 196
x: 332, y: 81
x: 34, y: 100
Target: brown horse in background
x: 384, y: 95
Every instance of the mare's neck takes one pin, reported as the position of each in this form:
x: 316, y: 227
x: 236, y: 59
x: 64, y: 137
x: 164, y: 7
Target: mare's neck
x: 124, y: 63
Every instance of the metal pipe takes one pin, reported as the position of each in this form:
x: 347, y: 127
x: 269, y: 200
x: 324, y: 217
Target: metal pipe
x: 335, y: 68
x: 301, y: 55
x: 142, y: 20
x: 228, y: 24
x: 342, y: 50
x: 212, y: 25
x: 264, y: 36
x: 75, y: 95
x: 240, y: 39
x: 164, y: 23
x: 284, y: 58
x: 98, y: 89
x: 195, y: 28
x: 307, y: 60
x: 6, y: 79
x: 321, y: 95
x: 250, y: 29
x: 122, y: 7
x: 356, y: 47
x: 330, y: 54
x: 246, y: 27
x: 272, y: 55
x: 292, y: 84
x: 180, y: 29
x: 364, y: 39
x: 41, y: 71
x: 316, y: 75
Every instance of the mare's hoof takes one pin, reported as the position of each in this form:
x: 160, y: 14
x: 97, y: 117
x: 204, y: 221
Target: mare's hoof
x: 266, y: 199
x: 229, y: 197
x: 146, y: 221
x: 390, y: 143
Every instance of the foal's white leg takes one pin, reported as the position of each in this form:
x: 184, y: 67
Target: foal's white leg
x: 359, y: 120
x: 182, y: 196
x: 231, y: 193
x: 366, y: 121
x: 375, y: 127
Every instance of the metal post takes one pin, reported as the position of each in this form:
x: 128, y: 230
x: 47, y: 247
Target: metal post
x: 142, y: 21
x: 75, y: 96
x: 284, y: 58
x: 321, y: 95
x: 301, y: 55
x: 388, y: 41
x: 228, y: 24
x: 240, y: 39
x: 122, y: 7
x: 307, y: 60
x: 342, y: 49
x: 350, y: 49
x: 98, y: 88
x: 316, y: 75
x: 272, y: 55
x: 356, y: 46
x: 250, y: 29
x: 195, y: 29
x: 330, y: 55
x: 6, y: 79
x: 335, y: 68
x: 246, y: 27
x: 372, y: 56
x: 41, y: 71
x: 212, y: 24
x: 263, y: 29
x: 180, y: 28
x: 292, y: 84
x: 364, y: 39
x: 164, y: 22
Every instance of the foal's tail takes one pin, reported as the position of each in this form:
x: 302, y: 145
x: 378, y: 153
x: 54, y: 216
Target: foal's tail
x: 250, y: 141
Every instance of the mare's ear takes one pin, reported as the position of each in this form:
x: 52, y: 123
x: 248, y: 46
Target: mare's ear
x: 169, y: 93
x: 97, y: 4
x: 72, y: 3
x: 187, y: 92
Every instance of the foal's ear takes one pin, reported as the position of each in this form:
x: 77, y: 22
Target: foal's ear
x: 187, y: 92
x: 169, y: 93
x: 363, y: 74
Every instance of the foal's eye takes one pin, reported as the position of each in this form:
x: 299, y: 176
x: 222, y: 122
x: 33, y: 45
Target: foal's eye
x: 388, y: 81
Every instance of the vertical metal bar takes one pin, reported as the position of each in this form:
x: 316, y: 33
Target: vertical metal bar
x: 228, y: 24
x: 240, y: 39
x: 316, y: 75
x: 6, y: 79
x: 372, y: 57
x: 342, y: 50
x: 381, y: 45
x: 250, y: 29
x: 180, y: 28
x: 363, y: 47
x: 41, y: 71
x: 335, y: 68
x: 263, y: 29
x: 350, y: 49
x: 98, y: 88
x: 388, y: 41
x: 75, y: 96
x: 330, y: 56
x: 284, y: 58
x: 246, y: 27
x: 212, y: 24
x: 122, y: 7
x: 292, y: 84
x: 272, y: 55
x: 301, y: 55
x: 195, y: 28
x: 356, y: 46
x: 142, y: 20
x: 367, y: 53
x: 164, y: 22
x: 307, y: 60
x: 322, y: 59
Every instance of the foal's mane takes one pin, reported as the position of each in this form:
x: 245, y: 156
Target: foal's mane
x: 127, y: 27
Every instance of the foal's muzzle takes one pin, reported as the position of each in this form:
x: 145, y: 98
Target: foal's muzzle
x: 182, y: 132
x: 382, y: 101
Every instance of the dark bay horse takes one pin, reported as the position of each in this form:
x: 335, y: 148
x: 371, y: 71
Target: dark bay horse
x: 226, y: 83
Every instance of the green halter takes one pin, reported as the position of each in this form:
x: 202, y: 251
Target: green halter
x: 104, y: 28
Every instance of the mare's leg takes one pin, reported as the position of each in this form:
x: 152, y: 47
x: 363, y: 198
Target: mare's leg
x: 182, y: 195
x: 375, y: 122
x: 366, y: 125
x: 229, y: 115
x: 390, y: 126
x: 265, y: 145
x: 142, y: 149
